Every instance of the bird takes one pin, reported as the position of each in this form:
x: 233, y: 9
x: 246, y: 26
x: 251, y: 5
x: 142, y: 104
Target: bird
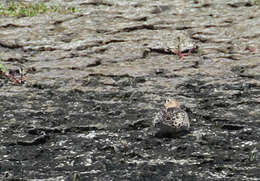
x: 171, y: 121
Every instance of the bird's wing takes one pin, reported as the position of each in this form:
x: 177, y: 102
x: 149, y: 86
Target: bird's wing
x: 176, y: 118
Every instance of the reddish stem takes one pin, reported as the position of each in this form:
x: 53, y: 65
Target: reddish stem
x: 13, y: 79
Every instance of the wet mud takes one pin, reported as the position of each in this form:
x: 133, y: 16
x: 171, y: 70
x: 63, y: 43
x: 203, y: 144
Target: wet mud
x: 96, y: 78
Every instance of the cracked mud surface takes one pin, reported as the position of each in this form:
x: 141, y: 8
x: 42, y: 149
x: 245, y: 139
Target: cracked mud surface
x: 97, y: 78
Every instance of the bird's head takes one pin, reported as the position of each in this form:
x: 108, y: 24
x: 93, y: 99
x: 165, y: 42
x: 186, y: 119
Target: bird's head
x: 171, y: 103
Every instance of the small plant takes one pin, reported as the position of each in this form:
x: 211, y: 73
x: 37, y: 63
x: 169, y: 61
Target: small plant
x: 256, y: 2
x: 10, y: 75
x: 181, y: 52
x: 21, y: 9
x: 253, y: 155
x: 76, y: 177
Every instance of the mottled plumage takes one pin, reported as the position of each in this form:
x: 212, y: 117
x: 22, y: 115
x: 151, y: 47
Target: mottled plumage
x: 171, y: 121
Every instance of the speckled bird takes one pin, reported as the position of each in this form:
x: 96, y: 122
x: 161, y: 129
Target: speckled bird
x: 171, y: 121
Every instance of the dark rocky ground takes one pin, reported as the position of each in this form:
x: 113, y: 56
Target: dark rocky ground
x: 97, y: 77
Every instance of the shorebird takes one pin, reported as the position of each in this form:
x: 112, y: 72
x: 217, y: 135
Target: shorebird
x: 171, y: 121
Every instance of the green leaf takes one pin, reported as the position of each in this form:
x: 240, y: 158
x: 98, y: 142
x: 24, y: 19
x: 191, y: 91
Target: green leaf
x: 2, y: 68
x: 21, y: 71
